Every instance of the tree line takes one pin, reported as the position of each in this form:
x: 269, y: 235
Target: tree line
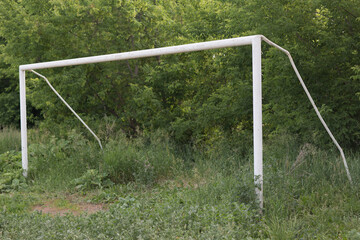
x: 195, y: 97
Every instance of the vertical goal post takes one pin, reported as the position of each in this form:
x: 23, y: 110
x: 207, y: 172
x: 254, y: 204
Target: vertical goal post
x: 254, y: 40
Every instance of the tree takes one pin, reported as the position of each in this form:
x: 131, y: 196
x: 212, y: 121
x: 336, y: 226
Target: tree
x: 199, y: 95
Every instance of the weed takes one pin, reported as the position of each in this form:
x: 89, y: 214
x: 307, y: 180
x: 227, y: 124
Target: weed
x: 166, y: 191
x: 92, y: 179
x: 11, y: 177
x: 57, y: 162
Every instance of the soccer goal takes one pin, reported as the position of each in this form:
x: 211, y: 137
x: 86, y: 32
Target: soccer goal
x: 254, y: 41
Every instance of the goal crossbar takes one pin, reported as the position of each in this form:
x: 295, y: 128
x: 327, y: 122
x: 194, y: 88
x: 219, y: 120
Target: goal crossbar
x: 192, y: 47
x: 254, y: 40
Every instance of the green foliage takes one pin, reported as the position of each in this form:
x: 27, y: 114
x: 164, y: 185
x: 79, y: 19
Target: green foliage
x: 63, y: 159
x: 323, y: 38
x: 353, y: 234
x: 92, y: 179
x: 9, y: 140
x: 191, y: 96
x: 160, y: 213
x: 81, y: 28
x: 10, y: 106
x: 144, y: 159
x: 11, y: 177
x: 357, y: 76
x: 137, y: 160
x: 308, y: 194
x: 204, y: 189
x: 15, y: 203
x: 190, y: 192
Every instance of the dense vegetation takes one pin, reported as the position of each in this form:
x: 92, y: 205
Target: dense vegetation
x: 177, y: 130
x: 152, y: 189
x: 197, y: 96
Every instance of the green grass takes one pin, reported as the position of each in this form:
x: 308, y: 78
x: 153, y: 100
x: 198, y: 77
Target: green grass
x: 157, y: 190
x: 9, y: 140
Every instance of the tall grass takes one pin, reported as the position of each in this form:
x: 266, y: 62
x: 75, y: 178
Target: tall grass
x: 307, y: 193
x: 9, y: 140
x: 145, y: 160
x: 54, y: 164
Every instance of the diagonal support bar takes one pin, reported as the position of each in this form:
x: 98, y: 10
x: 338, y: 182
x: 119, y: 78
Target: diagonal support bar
x: 313, y: 104
x: 70, y: 108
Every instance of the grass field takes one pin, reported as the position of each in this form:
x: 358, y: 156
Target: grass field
x: 149, y: 188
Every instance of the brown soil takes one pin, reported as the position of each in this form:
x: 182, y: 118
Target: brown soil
x: 51, y: 207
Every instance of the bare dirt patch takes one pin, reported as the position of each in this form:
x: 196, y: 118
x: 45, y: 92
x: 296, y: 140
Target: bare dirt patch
x: 66, y: 206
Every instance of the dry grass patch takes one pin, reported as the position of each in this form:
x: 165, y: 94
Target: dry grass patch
x: 68, y: 205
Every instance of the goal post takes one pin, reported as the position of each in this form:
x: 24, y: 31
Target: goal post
x: 254, y: 40
x: 257, y: 118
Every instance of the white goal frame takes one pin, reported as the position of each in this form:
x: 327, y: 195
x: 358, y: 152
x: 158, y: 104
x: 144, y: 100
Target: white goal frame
x: 254, y: 41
